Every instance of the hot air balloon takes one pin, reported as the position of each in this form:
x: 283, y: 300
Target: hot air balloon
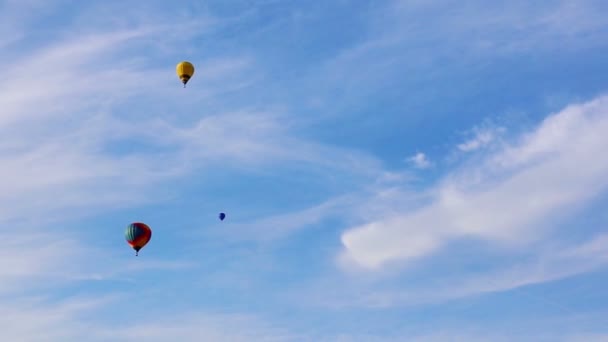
x: 222, y: 216
x: 184, y: 71
x: 138, y: 235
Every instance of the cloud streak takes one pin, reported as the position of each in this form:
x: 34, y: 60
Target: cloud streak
x: 104, y: 126
x: 482, y: 138
x: 36, y: 319
x: 420, y: 160
x: 510, y: 197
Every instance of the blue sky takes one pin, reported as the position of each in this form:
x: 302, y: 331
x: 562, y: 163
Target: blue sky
x: 390, y: 170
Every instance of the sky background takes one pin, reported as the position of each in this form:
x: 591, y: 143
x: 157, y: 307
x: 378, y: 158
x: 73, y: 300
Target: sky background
x: 390, y: 170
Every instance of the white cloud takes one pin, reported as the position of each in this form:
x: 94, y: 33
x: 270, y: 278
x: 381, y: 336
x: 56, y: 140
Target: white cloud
x: 499, y: 334
x: 36, y: 319
x: 383, y: 290
x: 51, y: 138
x: 54, y: 152
x: 67, y: 137
x: 29, y: 257
x: 513, y: 197
x: 76, y: 318
x: 368, y: 203
x: 482, y: 138
x: 58, y: 135
x: 211, y: 327
x: 280, y: 226
x: 513, y: 29
x: 550, y: 265
x: 60, y: 128
x: 537, y: 26
x: 420, y: 160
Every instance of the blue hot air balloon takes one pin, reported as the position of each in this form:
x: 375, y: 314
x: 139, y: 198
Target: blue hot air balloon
x: 222, y: 216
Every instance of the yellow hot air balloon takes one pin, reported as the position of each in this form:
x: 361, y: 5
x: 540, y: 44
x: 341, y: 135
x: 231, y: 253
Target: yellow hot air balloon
x: 184, y: 70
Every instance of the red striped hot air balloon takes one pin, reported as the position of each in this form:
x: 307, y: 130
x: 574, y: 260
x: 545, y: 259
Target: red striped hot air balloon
x: 138, y: 235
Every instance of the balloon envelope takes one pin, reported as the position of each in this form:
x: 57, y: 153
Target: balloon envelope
x: 184, y: 71
x: 222, y: 216
x: 138, y: 235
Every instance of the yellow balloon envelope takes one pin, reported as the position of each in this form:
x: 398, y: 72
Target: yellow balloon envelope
x: 184, y: 70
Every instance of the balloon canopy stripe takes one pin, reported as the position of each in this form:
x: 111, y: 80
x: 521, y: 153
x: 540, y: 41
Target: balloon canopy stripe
x: 138, y: 235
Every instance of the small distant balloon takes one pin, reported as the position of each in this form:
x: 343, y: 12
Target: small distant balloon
x: 222, y: 216
x: 138, y: 235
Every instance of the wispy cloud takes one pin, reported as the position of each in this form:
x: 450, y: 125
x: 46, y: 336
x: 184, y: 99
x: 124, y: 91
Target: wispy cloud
x: 407, y: 44
x: 217, y: 327
x: 64, y: 141
x: 548, y: 265
x: 376, y: 199
x: 537, y: 26
x: 501, y: 335
x: 94, y: 120
x: 68, y: 125
x: 510, y: 198
x: 420, y: 160
x: 75, y: 144
x: 481, y: 138
x: 33, y: 319
x: 74, y: 318
x: 44, y: 146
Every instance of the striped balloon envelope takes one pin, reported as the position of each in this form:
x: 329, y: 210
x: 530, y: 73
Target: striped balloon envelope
x: 138, y: 235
